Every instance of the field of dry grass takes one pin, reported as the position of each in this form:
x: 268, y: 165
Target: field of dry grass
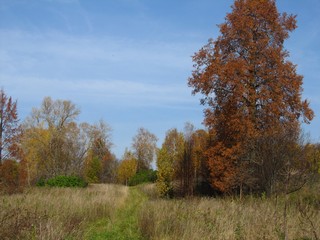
x: 229, y: 218
x: 64, y: 213
x: 57, y: 213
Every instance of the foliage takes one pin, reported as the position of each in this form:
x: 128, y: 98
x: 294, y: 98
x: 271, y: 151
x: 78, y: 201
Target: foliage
x: 64, y: 181
x: 54, y: 144
x: 93, y: 170
x: 168, y: 161
x: 313, y: 156
x: 164, y: 174
x: 100, y: 163
x: 182, y: 162
x: 144, y: 176
x: 11, y: 177
x: 250, y: 88
x: 127, y: 168
x: 10, y: 130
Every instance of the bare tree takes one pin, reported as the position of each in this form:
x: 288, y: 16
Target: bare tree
x: 144, y: 145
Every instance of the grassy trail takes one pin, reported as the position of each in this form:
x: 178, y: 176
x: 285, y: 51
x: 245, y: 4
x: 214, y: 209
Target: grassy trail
x: 125, y: 224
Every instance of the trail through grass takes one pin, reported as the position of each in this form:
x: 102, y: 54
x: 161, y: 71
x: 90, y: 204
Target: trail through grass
x: 125, y: 224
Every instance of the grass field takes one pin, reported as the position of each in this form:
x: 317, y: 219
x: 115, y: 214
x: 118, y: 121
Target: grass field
x: 119, y: 212
x: 58, y: 213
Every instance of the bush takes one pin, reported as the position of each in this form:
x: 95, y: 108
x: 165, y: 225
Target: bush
x: 41, y: 182
x: 63, y: 181
x: 143, y: 176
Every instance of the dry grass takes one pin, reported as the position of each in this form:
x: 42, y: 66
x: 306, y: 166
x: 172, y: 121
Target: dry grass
x: 252, y: 218
x: 57, y: 213
x: 63, y: 213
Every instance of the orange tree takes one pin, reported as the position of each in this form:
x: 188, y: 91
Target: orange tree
x: 250, y: 88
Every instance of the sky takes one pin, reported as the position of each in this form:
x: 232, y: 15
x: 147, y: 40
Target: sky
x: 128, y: 61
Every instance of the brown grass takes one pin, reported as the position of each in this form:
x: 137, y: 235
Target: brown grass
x: 57, y: 213
x: 209, y: 218
x: 63, y: 213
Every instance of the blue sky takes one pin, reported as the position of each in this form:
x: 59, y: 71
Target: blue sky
x: 128, y: 61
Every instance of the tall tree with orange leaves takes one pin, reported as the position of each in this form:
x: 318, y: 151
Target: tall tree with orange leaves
x: 250, y: 88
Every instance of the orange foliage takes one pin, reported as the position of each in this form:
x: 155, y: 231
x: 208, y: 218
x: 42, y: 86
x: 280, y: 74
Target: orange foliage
x: 249, y: 86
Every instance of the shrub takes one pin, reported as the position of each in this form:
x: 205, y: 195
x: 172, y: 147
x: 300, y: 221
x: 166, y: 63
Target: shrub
x: 143, y: 176
x: 63, y: 181
x: 41, y: 182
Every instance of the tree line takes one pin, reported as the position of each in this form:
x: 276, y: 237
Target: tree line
x: 50, y: 143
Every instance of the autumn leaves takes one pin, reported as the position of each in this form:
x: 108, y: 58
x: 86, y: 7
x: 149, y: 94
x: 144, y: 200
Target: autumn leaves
x: 252, y: 93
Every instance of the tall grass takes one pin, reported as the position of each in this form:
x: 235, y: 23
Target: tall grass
x: 57, y: 213
x: 227, y: 218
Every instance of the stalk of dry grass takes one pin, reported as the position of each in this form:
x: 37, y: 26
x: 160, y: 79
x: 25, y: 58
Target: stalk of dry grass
x: 205, y: 218
x: 57, y: 213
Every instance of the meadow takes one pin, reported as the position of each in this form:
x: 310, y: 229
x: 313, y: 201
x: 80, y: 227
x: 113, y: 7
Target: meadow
x: 117, y: 212
x: 57, y: 213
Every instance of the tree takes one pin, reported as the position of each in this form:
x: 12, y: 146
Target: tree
x: 100, y: 145
x: 313, y: 156
x: 144, y: 145
x: 53, y: 143
x: 187, y: 163
x: 9, y: 127
x: 250, y: 88
x: 165, y: 173
x: 93, y: 169
x: 127, y: 167
x: 169, y: 159
x: 200, y: 139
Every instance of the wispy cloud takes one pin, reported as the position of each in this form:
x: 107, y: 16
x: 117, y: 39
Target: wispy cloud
x: 114, y: 70
x: 56, y: 47
x: 110, y: 92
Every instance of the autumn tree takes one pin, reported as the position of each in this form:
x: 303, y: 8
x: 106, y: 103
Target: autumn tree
x: 168, y: 161
x: 313, y: 156
x: 99, y: 153
x: 200, y: 140
x: 55, y: 146
x: 187, y: 164
x: 144, y: 146
x: 251, y: 90
x: 9, y: 127
x: 127, y: 167
x: 181, y: 161
x: 93, y: 169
